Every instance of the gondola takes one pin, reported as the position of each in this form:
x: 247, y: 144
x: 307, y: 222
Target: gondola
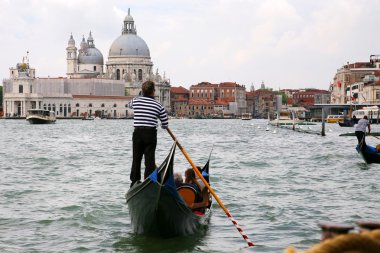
x: 370, y: 154
x: 348, y: 122
x: 156, y: 208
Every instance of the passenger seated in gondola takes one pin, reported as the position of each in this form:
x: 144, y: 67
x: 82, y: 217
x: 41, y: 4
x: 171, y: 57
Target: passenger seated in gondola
x: 194, y: 193
x: 178, y: 180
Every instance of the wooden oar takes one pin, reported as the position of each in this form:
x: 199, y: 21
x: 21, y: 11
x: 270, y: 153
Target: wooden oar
x: 250, y: 244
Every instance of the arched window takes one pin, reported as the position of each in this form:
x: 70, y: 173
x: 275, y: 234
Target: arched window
x: 118, y: 74
x: 114, y: 105
x: 90, y: 105
x: 69, y: 109
x: 49, y: 107
x: 77, y: 105
x: 44, y: 106
x: 20, y: 89
x: 102, y: 105
x: 126, y: 105
x: 140, y: 75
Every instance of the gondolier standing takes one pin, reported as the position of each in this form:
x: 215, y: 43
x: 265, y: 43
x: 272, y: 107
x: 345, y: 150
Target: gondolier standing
x: 360, y: 131
x: 147, y: 111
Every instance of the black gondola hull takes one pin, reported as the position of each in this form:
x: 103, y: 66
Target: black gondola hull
x: 155, y: 211
x: 369, y: 154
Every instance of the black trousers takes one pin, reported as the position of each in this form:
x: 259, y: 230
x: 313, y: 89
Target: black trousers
x: 361, y: 139
x: 144, y: 144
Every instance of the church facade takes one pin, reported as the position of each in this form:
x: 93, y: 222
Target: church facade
x: 89, y: 88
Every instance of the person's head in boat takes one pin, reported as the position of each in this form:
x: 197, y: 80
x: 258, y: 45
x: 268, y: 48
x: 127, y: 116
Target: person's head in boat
x: 148, y: 88
x: 189, y: 176
x: 178, y: 180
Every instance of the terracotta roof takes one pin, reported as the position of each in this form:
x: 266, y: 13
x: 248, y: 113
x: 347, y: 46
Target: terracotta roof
x: 179, y: 89
x: 221, y: 102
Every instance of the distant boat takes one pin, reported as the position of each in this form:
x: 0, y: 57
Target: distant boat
x: 286, y: 118
x: 88, y: 118
x: 372, y: 113
x: 347, y: 123
x: 334, y: 118
x: 39, y: 116
x: 246, y: 116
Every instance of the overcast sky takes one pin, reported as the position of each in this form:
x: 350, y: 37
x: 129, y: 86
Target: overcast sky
x: 285, y: 43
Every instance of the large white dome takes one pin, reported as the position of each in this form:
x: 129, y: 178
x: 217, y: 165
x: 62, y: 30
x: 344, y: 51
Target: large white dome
x: 129, y: 44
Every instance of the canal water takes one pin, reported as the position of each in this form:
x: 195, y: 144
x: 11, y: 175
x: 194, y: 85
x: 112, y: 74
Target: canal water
x: 63, y: 185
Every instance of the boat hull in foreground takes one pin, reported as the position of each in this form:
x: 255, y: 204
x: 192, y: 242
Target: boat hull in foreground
x: 156, y: 208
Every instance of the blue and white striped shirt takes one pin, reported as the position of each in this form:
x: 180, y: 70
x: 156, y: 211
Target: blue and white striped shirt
x: 147, y: 111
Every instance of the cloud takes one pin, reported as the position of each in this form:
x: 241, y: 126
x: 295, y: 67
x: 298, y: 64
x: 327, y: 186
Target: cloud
x: 286, y: 43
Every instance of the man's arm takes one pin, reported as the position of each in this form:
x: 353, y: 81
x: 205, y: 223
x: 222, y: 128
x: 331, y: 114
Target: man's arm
x: 164, y: 118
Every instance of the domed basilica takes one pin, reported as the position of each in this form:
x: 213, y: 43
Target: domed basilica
x: 88, y: 88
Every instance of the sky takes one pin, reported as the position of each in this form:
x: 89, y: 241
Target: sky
x: 287, y: 44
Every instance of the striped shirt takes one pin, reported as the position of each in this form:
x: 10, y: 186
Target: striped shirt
x: 147, y: 111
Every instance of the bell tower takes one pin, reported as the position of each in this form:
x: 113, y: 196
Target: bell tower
x: 72, y: 59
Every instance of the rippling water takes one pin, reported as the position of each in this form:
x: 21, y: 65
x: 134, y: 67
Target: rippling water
x: 62, y: 186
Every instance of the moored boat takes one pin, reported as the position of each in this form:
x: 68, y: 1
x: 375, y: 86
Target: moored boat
x: 288, y: 118
x: 156, y: 207
x: 371, y: 111
x: 347, y: 123
x: 246, y: 116
x: 38, y: 116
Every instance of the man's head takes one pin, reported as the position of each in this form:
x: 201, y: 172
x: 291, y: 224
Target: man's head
x: 365, y: 117
x: 148, y: 88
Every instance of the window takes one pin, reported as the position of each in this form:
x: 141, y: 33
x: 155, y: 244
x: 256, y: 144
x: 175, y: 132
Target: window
x: 118, y: 74
x: 94, y: 68
x: 90, y: 105
x: 20, y: 89
x: 77, y: 105
x: 114, y: 105
x: 140, y: 75
x: 102, y: 105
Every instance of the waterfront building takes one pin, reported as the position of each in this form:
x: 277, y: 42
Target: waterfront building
x: 227, y: 99
x: 264, y: 103
x: 88, y: 89
x: 179, y: 100
x: 307, y: 97
x: 354, y: 73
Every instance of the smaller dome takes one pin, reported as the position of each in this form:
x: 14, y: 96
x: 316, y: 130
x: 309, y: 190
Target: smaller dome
x: 90, y: 55
x: 128, y: 18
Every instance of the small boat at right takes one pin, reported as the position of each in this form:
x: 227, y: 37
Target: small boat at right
x: 370, y: 154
